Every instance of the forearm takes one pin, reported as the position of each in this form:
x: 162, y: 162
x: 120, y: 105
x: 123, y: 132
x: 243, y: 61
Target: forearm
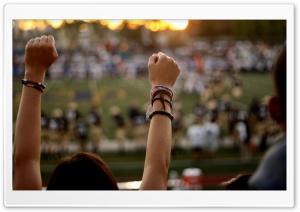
x: 27, y: 133
x: 27, y: 137
x: 158, y: 150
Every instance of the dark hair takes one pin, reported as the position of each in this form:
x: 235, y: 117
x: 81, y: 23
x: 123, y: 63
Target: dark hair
x: 279, y: 76
x: 82, y: 171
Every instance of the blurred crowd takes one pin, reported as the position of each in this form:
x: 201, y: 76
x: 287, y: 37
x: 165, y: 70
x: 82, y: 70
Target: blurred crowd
x: 129, y: 59
x: 210, y: 125
x: 205, y: 70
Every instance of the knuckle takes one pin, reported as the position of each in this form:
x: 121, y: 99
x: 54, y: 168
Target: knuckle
x: 163, y: 57
x: 150, y: 65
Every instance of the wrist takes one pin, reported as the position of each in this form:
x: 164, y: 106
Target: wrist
x: 161, y: 84
x: 160, y: 100
x: 34, y: 77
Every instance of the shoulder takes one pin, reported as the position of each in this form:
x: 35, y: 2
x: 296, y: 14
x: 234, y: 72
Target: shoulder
x: 271, y: 173
x: 277, y: 152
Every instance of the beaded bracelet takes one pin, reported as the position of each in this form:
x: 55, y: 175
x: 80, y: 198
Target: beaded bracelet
x: 37, y: 85
x: 161, y: 113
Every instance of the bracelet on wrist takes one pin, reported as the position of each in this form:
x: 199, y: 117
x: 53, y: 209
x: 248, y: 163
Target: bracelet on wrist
x: 161, y: 99
x: 159, y: 88
x: 37, y: 85
x: 161, y: 113
x: 162, y: 91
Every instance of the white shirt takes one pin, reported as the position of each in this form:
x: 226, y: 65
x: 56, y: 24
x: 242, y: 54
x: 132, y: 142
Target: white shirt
x: 196, y: 135
x: 242, y: 130
x: 212, y: 133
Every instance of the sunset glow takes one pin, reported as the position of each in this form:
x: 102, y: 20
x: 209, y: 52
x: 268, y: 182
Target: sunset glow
x: 153, y: 25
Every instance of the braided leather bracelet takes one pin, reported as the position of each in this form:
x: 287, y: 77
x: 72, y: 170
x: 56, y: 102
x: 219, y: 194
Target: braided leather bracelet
x: 153, y: 100
x: 37, y: 85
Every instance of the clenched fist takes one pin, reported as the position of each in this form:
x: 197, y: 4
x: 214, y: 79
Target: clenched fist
x: 163, y: 70
x: 40, y: 53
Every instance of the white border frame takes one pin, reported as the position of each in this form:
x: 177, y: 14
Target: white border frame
x: 147, y: 198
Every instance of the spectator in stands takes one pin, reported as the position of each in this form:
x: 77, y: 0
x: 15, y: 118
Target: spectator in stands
x: 196, y: 136
x: 137, y: 124
x: 81, y: 132
x: 76, y: 64
x: 212, y: 131
x: 40, y: 53
x: 242, y: 135
x: 58, y: 128
x: 72, y: 114
x: 119, y: 126
x: 271, y: 173
x: 95, y: 123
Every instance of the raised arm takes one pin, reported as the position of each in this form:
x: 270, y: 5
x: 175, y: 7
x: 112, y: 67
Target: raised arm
x: 163, y: 71
x: 40, y: 53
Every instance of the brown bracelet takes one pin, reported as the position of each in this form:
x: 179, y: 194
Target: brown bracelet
x: 37, y: 85
x: 162, y: 94
x: 161, y: 113
x: 158, y: 98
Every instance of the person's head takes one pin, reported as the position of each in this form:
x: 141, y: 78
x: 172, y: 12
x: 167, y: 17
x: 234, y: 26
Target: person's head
x: 73, y: 105
x: 211, y: 116
x: 115, y: 110
x: 277, y: 103
x: 82, y: 171
x: 57, y: 113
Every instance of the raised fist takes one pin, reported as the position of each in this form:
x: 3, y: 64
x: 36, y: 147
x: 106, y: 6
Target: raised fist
x: 163, y: 70
x: 40, y: 53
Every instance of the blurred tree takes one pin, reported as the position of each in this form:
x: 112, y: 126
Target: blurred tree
x: 264, y: 30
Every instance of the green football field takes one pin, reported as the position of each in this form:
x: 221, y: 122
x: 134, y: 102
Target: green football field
x: 117, y: 91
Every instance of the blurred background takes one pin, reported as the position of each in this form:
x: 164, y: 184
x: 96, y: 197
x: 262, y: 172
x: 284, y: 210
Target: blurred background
x: 97, y: 94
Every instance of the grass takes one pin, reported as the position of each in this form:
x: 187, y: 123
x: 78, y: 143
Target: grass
x: 115, y: 91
